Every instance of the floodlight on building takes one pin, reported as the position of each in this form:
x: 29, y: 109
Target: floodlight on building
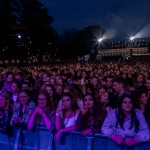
x: 100, y: 40
x: 132, y: 38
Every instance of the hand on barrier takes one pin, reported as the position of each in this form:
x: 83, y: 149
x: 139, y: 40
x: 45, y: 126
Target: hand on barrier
x: 131, y: 141
x: 117, y: 138
x: 57, y: 135
x: 86, y: 132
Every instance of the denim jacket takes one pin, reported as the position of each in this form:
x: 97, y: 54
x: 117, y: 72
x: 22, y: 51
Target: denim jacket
x: 109, y: 126
x: 17, y: 113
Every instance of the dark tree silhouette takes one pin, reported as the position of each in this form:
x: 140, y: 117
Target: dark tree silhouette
x: 76, y: 43
x: 27, y: 27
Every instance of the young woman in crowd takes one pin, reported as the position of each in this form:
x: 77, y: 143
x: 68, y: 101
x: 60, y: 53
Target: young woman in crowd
x: 22, y: 110
x: 92, y: 116
x: 144, y: 105
x: 5, y: 113
x: 126, y: 124
x: 43, y: 115
x: 52, y: 94
x: 104, y: 100
x: 14, y: 94
x: 66, y: 115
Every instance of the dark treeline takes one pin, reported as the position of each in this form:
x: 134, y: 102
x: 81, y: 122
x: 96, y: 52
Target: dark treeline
x: 26, y: 29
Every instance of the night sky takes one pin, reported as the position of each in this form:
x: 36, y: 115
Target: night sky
x: 120, y: 18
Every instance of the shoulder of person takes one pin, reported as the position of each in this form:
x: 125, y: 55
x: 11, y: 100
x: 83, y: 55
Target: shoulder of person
x: 112, y: 112
x: 138, y: 112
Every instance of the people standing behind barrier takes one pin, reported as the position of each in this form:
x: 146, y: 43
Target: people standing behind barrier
x: 83, y: 81
x: 19, y: 77
x: 126, y: 124
x: 119, y: 91
x: 148, y: 87
x: 92, y: 116
x: 5, y: 113
x: 14, y: 94
x: 7, y: 84
x: 144, y: 105
x: 139, y: 83
x: 109, y: 83
x: 22, y: 110
x: 66, y: 115
x: 96, y: 84
x: 26, y: 85
x: 43, y: 115
x: 105, y: 99
x: 52, y: 94
x: 1, y: 82
x: 59, y: 92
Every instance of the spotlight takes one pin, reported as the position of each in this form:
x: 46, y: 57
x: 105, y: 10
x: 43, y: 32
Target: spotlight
x: 132, y: 38
x: 100, y: 40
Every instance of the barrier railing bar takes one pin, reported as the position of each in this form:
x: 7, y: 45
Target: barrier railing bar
x: 17, y: 139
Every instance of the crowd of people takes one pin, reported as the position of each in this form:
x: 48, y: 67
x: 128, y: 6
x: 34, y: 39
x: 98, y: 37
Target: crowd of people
x: 112, y: 98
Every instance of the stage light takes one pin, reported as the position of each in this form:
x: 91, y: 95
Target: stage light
x: 100, y: 40
x: 132, y: 38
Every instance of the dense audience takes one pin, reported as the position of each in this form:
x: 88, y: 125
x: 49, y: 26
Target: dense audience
x: 112, y: 98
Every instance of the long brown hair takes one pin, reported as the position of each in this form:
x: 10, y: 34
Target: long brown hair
x: 121, y: 115
x: 49, y: 104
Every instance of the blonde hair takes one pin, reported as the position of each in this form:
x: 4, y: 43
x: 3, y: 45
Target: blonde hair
x: 6, y: 97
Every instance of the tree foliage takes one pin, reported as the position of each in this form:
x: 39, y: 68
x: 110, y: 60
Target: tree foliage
x: 80, y: 42
x: 29, y: 18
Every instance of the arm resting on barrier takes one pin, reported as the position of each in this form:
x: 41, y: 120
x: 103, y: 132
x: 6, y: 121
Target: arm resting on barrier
x: 131, y: 141
x: 32, y: 120
x: 68, y: 129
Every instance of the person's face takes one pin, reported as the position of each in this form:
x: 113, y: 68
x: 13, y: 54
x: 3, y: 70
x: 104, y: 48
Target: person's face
x: 54, y: 73
x: 126, y: 105
x: 60, y: 81
x: 130, y: 69
x: 25, y: 87
x: 50, y: 91
x: 83, y: 74
x: 140, y: 79
x: 47, y: 80
x: 95, y: 82
x: 24, y: 98
x: 148, y: 84
x: 88, y: 101
x: 42, y: 101
x: 101, y: 92
x: 59, y: 90
x: 17, y: 76
x: 116, y: 86
x: 14, y: 88
x: 104, y: 97
x: 10, y: 77
x: 3, y: 102
x: 52, y: 81
x: 109, y: 82
x: 67, y: 103
x: 144, y: 98
x: 89, y: 91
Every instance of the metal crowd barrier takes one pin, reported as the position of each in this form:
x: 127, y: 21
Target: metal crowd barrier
x: 41, y: 139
